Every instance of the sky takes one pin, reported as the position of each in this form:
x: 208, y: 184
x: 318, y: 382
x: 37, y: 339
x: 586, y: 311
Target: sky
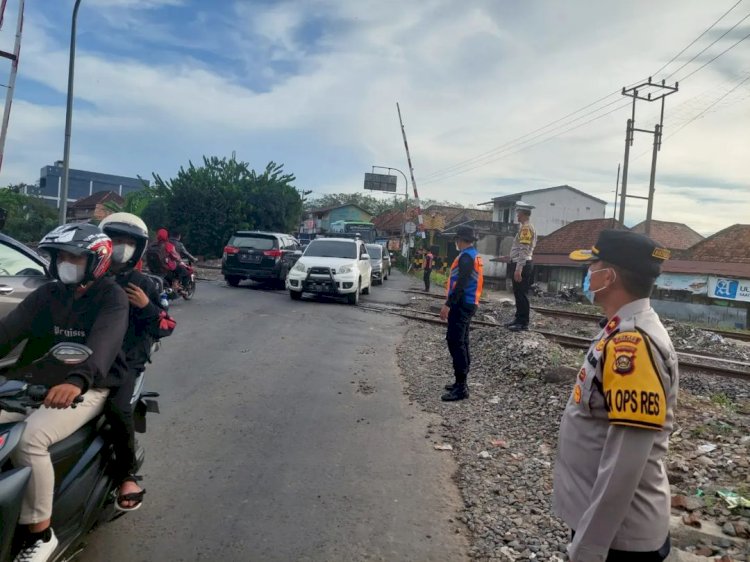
x: 313, y: 84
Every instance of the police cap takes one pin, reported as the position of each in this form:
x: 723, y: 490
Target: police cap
x: 466, y: 234
x: 628, y: 250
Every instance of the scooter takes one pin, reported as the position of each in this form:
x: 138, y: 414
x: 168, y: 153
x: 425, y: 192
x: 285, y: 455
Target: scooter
x: 84, y: 489
x: 186, y: 291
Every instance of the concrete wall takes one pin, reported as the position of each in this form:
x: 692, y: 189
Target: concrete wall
x: 721, y: 316
x: 554, y: 209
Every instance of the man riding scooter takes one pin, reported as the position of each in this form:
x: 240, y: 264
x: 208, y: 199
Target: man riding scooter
x: 81, y: 306
x: 172, y: 267
x: 147, y: 323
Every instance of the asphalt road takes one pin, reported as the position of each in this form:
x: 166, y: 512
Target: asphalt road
x: 284, y: 435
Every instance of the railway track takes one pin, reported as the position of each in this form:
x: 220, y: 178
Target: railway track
x: 691, y: 361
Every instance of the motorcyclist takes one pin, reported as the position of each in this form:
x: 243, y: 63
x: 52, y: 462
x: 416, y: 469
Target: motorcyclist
x: 129, y: 236
x: 82, y: 306
x: 176, y: 239
x: 176, y: 269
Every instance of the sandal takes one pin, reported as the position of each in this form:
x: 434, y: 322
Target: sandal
x: 131, y: 497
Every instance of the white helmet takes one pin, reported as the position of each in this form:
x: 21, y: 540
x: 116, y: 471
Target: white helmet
x: 127, y: 224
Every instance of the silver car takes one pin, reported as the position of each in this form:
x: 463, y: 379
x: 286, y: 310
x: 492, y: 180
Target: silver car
x: 380, y: 269
x: 22, y: 271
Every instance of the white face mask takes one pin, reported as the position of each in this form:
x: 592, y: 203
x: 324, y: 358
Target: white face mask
x: 457, y: 248
x: 121, y: 253
x: 69, y: 273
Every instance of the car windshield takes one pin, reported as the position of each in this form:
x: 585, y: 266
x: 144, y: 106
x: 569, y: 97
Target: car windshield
x: 332, y: 249
x: 252, y: 242
x: 375, y: 252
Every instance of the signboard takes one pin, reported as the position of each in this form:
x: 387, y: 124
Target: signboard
x: 394, y: 244
x: 380, y: 182
x: 410, y: 228
x: 696, y: 284
x: 729, y: 289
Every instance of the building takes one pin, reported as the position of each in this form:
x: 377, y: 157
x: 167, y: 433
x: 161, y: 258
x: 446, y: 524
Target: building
x: 94, y: 207
x: 672, y: 235
x: 709, y: 282
x: 554, y: 207
x: 318, y: 221
x: 552, y: 267
x: 82, y: 183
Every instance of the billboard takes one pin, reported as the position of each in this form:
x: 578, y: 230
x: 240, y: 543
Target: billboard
x: 729, y: 289
x: 380, y: 182
x: 696, y: 284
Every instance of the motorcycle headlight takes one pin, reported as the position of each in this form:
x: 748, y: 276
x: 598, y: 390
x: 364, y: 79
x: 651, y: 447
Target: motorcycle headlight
x: 344, y: 269
x: 300, y: 267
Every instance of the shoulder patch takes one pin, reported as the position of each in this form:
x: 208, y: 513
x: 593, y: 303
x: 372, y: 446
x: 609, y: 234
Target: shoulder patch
x: 633, y: 389
x: 525, y: 235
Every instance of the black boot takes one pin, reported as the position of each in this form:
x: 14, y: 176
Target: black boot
x: 450, y: 386
x: 459, y: 392
x: 518, y: 327
x: 509, y: 324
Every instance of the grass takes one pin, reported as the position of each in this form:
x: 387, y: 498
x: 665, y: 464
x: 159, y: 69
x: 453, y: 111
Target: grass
x: 721, y: 399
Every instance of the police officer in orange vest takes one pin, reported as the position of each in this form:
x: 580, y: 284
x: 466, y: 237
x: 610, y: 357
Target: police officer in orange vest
x: 463, y: 292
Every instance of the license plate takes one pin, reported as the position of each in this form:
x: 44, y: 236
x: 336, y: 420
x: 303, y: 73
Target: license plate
x: 249, y: 258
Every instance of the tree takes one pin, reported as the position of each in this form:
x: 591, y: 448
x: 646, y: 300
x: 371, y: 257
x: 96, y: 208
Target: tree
x: 28, y: 218
x: 208, y: 203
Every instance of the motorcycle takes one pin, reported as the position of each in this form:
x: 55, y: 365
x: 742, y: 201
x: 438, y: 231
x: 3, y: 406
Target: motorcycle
x: 84, y: 489
x: 570, y: 294
x: 178, y: 290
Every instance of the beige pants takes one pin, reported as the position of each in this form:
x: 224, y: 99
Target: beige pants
x: 45, y: 427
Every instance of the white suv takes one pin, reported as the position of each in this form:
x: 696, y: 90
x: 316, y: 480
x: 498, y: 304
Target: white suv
x: 332, y: 266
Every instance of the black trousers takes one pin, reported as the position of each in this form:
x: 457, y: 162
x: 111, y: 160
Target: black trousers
x: 426, y: 277
x: 119, y: 414
x: 627, y: 556
x: 457, y: 337
x: 521, y: 291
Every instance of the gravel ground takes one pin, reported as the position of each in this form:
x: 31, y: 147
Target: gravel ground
x: 505, y: 436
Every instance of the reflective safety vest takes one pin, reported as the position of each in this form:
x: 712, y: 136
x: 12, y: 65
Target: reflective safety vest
x: 473, y: 290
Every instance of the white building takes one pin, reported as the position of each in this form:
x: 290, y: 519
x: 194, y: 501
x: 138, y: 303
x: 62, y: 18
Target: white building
x: 554, y: 207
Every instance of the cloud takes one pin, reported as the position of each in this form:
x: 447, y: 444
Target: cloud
x: 314, y: 84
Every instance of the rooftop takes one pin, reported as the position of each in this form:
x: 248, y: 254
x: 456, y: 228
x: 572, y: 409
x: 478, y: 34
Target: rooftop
x: 577, y: 235
x: 98, y: 198
x: 518, y: 196
x: 672, y: 235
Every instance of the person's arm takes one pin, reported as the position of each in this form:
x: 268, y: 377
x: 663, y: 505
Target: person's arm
x: 465, y: 269
x: 104, y: 340
x: 18, y: 323
x: 637, y: 408
x: 526, y: 238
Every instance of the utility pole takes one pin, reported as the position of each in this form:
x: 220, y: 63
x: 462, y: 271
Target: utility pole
x: 617, y: 187
x: 63, y: 217
x: 13, y: 72
x: 647, y: 91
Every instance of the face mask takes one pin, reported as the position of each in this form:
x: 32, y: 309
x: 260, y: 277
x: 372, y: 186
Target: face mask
x: 121, y: 253
x: 70, y: 274
x: 588, y: 293
x: 457, y: 248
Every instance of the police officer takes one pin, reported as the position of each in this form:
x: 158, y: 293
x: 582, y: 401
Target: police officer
x: 610, y: 483
x: 429, y: 260
x: 520, y: 268
x: 463, y: 292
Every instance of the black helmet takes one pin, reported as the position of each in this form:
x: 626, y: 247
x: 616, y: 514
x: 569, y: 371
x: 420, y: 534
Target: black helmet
x: 127, y: 224
x: 79, y: 239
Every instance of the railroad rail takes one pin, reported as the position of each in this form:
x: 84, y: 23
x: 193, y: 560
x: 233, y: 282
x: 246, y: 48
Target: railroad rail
x: 692, y: 361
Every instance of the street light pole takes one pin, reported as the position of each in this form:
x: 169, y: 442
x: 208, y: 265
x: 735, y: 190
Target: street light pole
x: 68, y: 119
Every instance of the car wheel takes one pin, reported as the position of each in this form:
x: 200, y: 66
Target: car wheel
x: 295, y: 295
x: 233, y: 280
x: 353, y: 298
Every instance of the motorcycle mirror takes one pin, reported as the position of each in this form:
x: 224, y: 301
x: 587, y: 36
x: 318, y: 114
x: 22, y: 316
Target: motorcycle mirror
x: 71, y: 353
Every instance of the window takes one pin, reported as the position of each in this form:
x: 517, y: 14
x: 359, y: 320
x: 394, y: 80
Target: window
x: 375, y: 251
x: 332, y: 249
x: 13, y: 263
x: 253, y: 242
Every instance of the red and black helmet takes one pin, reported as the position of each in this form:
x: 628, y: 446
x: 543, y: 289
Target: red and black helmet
x: 80, y: 239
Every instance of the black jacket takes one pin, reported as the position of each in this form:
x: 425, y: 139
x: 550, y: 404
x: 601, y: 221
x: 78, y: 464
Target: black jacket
x: 52, y: 314
x: 143, y: 324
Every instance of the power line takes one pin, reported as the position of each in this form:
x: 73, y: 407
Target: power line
x: 486, y: 157
x: 719, y: 38
x: 704, y: 65
x: 694, y: 41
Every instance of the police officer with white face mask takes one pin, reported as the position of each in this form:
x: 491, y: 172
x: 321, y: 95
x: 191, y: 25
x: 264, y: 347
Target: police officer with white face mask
x: 610, y: 483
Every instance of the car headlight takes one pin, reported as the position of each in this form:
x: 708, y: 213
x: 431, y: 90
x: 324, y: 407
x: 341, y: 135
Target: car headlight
x: 344, y: 269
x: 299, y: 267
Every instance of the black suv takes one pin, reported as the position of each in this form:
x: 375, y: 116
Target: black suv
x: 259, y: 256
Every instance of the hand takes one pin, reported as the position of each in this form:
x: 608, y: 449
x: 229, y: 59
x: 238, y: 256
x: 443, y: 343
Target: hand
x: 444, y: 313
x: 517, y: 275
x: 136, y: 296
x: 62, y: 395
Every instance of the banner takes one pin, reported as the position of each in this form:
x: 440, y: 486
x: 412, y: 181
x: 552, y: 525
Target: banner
x: 696, y: 284
x: 729, y: 289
